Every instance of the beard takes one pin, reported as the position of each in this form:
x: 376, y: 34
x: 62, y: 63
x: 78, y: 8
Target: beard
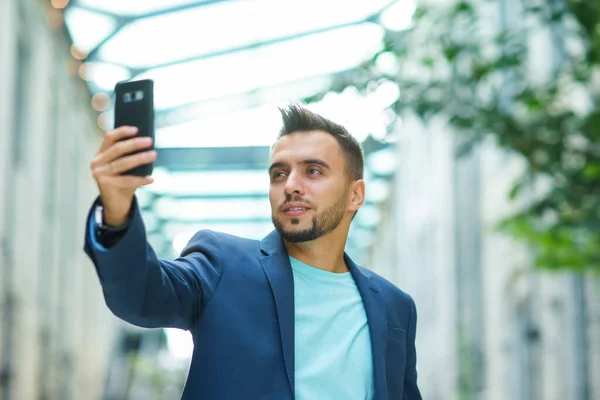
x: 322, y: 223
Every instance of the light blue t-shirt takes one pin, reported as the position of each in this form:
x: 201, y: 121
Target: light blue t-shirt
x: 332, y: 342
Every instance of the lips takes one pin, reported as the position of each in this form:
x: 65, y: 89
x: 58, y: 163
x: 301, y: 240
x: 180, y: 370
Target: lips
x: 295, y: 209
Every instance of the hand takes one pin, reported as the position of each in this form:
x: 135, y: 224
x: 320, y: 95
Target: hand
x: 116, y: 190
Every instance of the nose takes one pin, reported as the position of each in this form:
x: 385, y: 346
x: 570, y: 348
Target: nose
x: 293, y: 184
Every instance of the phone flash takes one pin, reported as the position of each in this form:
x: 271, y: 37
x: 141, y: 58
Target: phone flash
x: 133, y: 96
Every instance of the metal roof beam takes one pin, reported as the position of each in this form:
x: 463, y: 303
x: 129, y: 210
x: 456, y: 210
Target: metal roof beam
x: 122, y: 21
x: 229, y: 158
x: 210, y: 196
x: 219, y: 158
x: 255, y: 45
x: 250, y: 99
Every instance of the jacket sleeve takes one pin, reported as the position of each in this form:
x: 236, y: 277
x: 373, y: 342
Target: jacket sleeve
x: 411, y: 389
x: 148, y: 292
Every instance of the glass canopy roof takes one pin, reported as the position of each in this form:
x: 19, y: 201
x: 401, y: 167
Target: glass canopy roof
x: 221, y: 68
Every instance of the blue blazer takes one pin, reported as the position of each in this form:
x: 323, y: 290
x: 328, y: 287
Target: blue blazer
x: 236, y: 297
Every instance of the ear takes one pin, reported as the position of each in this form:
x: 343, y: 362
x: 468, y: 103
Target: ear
x: 356, y: 195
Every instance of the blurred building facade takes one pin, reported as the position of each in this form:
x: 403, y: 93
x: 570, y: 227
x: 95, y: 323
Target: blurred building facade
x: 490, y: 326
x: 56, y: 334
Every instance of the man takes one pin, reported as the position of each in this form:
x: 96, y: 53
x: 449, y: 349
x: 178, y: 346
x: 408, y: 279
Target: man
x: 290, y: 316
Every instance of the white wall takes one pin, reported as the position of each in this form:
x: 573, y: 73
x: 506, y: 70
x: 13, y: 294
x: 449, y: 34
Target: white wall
x: 56, y: 332
x: 488, y: 320
x: 420, y: 259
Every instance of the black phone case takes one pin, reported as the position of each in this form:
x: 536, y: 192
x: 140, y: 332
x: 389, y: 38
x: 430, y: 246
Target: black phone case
x: 134, y: 106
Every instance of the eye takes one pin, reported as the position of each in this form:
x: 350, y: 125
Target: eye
x: 277, y: 174
x: 313, y: 171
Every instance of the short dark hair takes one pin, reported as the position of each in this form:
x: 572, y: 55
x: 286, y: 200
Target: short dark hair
x: 299, y: 119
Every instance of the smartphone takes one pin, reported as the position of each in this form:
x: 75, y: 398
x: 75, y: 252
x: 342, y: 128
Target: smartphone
x: 134, y: 106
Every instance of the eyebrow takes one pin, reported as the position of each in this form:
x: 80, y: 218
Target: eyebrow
x: 310, y: 161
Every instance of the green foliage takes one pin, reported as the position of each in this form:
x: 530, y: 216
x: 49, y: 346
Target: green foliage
x: 485, y: 83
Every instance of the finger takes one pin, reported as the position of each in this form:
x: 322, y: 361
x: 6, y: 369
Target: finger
x: 117, y: 134
x: 126, y: 163
x: 101, y: 168
x: 131, y: 181
x: 117, y: 150
x: 124, y: 181
x: 126, y: 147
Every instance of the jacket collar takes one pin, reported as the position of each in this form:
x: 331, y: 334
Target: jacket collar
x: 276, y: 265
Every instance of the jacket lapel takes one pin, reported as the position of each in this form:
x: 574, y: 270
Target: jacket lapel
x: 376, y: 311
x: 277, y: 268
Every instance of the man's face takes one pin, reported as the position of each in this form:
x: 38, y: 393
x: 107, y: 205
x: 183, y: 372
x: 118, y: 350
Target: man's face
x: 309, y: 189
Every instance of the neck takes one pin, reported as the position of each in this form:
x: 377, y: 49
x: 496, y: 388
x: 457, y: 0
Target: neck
x: 326, y: 252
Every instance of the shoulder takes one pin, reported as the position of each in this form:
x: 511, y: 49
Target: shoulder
x: 388, y: 289
x: 221, y: 242
x: 399, y: 303
x: 224, y: 239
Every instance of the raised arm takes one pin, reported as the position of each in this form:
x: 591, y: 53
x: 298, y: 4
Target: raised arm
x: 138, y: 287
x: 146, y: 291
